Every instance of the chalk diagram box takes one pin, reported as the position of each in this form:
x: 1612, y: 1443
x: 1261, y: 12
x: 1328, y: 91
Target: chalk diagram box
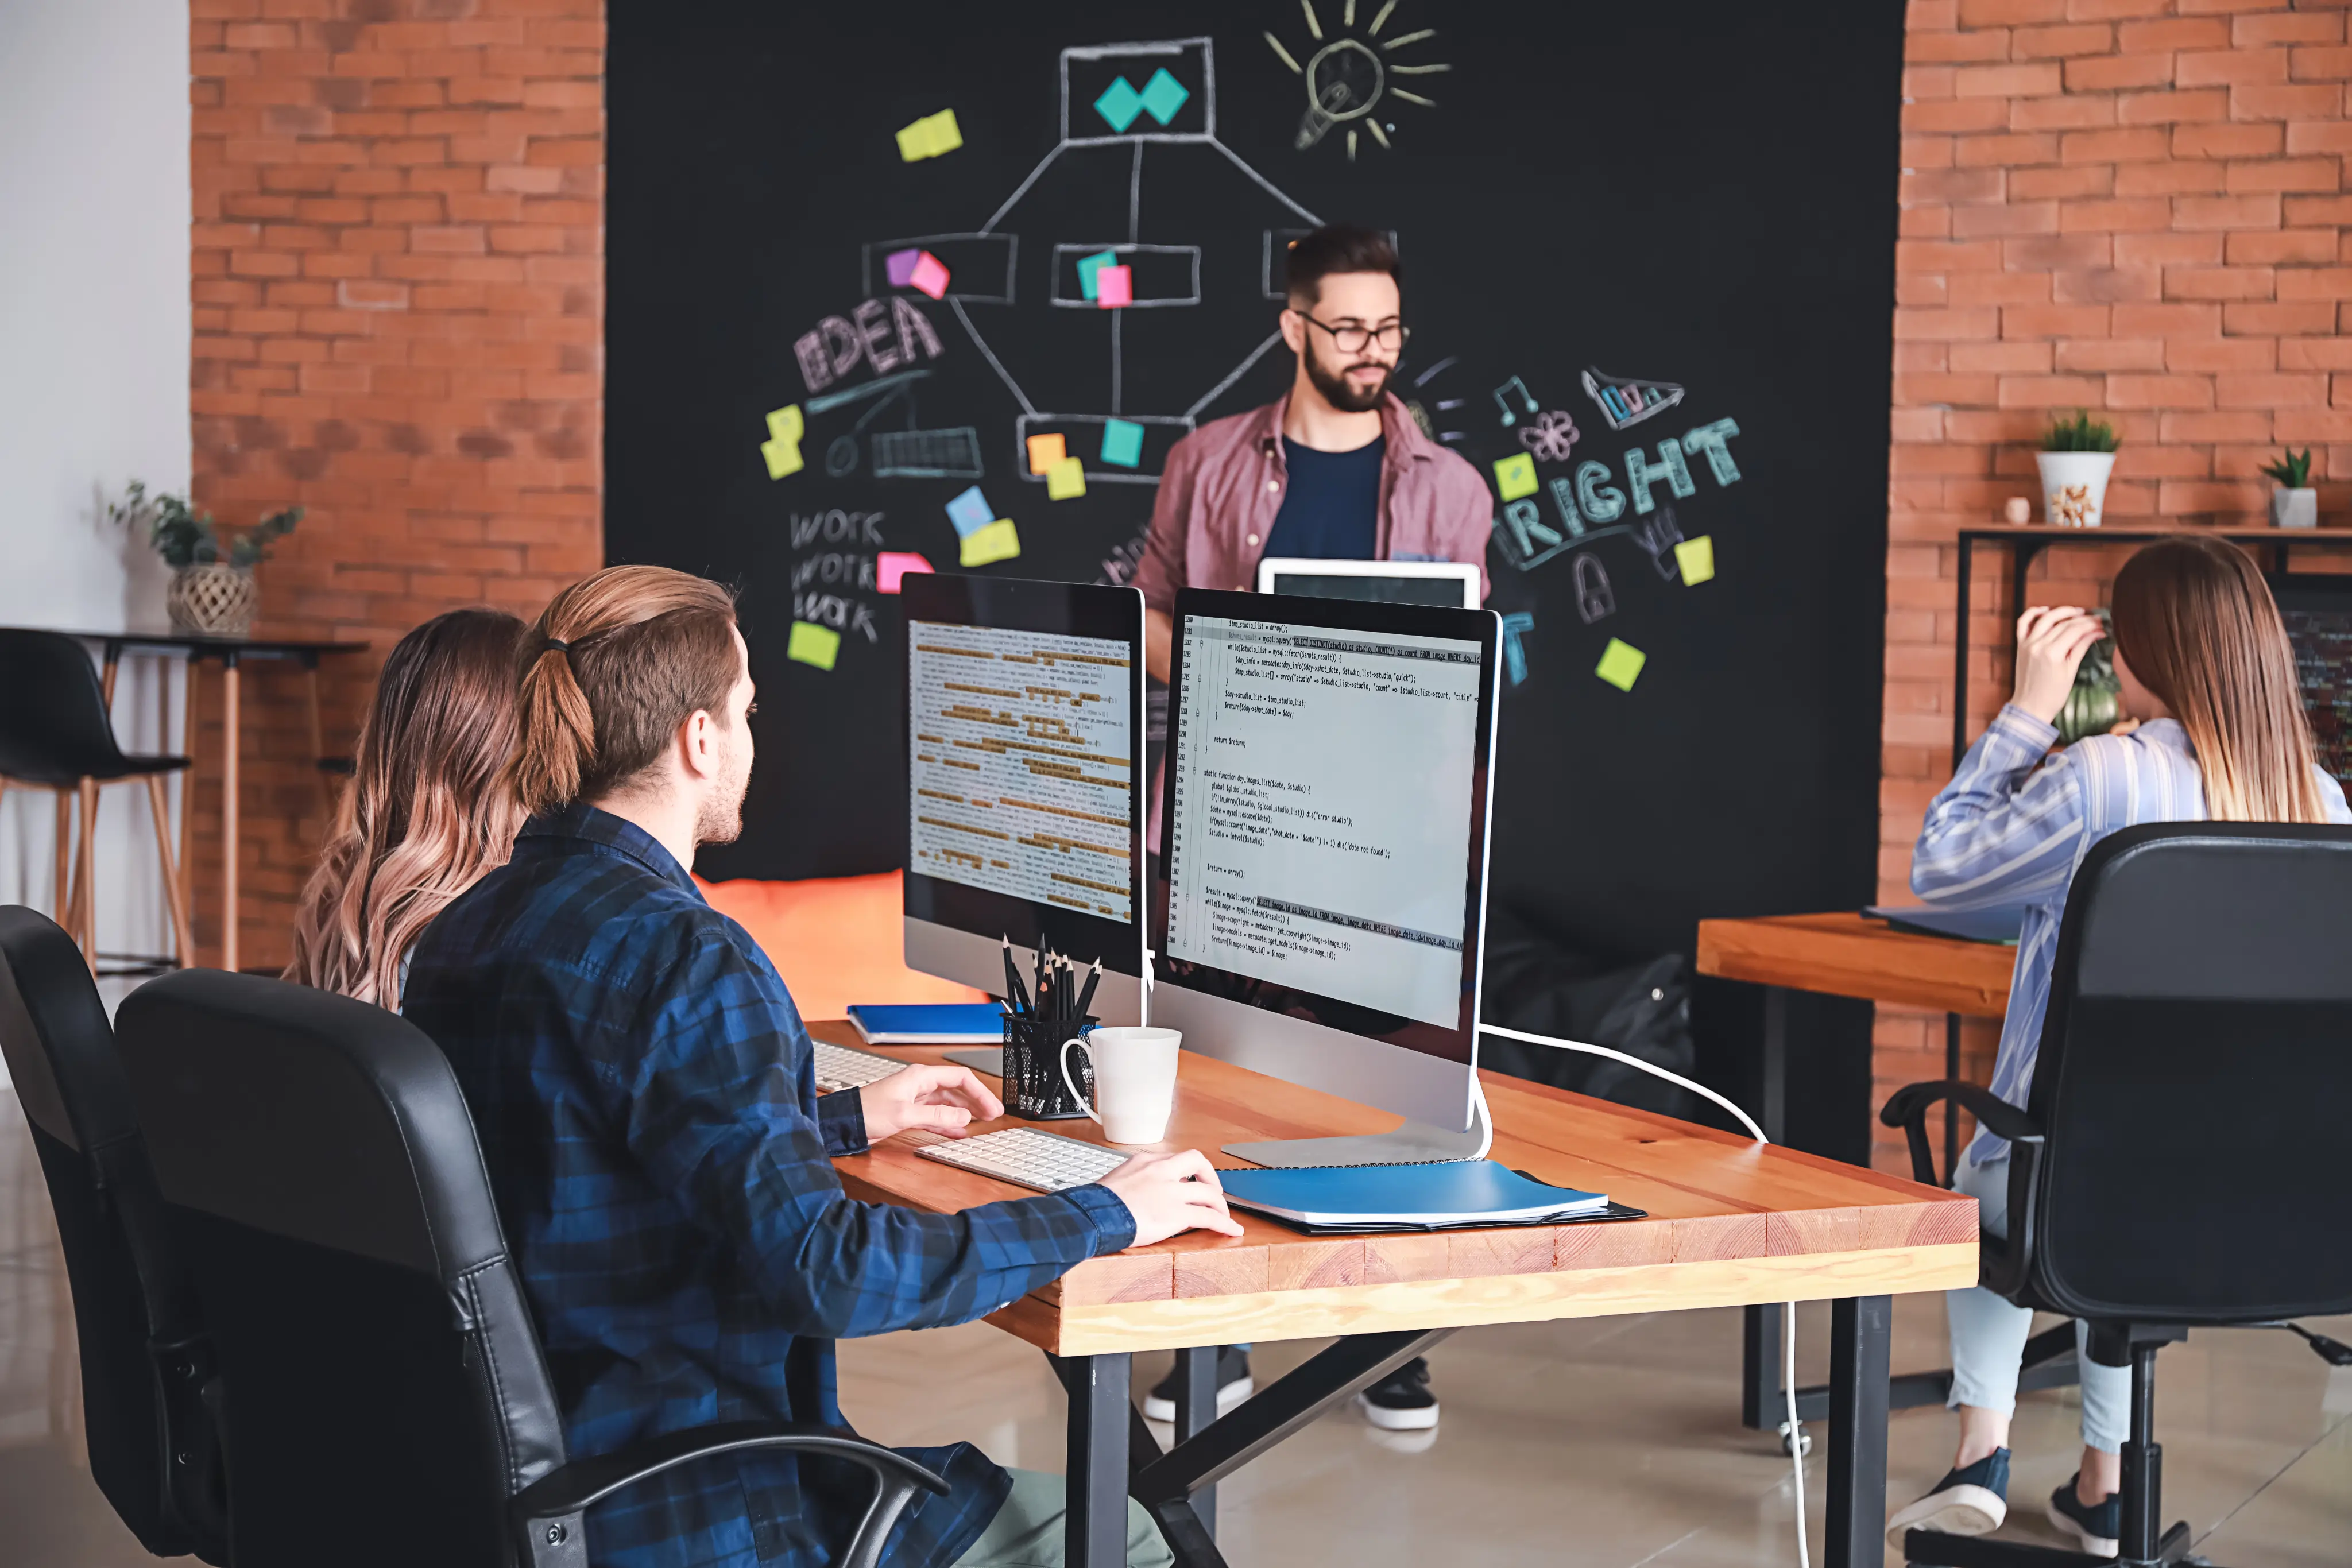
x: 1163, y: 274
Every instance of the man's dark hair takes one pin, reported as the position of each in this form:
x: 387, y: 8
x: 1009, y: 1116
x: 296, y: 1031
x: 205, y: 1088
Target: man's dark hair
x: 1336, y: 247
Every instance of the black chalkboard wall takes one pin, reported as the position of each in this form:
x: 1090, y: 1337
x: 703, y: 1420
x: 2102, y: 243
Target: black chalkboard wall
x: 1698, y: 199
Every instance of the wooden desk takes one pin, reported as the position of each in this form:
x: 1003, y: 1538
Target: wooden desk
x: 1730, y: 1224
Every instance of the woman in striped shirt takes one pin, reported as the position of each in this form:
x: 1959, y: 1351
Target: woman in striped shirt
x: 2216, y: 731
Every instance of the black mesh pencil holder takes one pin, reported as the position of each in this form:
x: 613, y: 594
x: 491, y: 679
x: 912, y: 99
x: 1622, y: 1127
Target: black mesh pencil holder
x: 1034, y: 1088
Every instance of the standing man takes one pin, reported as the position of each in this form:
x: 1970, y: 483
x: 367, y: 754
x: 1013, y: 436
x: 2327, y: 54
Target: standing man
x: 1336, y: 469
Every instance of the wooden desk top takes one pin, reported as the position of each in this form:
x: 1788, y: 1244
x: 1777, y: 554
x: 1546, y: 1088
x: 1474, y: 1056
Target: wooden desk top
x: 1849, y: 955
x: 1731, y: 1224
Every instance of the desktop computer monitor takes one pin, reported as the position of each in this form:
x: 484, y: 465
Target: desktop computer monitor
x: 1330, y: 765
x: 1024, y: 775
x: 2317, y: 609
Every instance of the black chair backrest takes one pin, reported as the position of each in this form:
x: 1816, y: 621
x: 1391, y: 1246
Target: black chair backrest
x: 54, y: 726
x: 2194, y: 1083
x: 384, y: 1392
x: 143, y: 1360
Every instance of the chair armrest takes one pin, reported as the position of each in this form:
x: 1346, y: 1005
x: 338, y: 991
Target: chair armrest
x: 548, y: 1513
x: 1907, y: 1108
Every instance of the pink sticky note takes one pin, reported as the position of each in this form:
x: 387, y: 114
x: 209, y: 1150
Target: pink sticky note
x: 900, y: 264
x: 929, y: 275
x: 1114, y: 286
x: 892, y: 566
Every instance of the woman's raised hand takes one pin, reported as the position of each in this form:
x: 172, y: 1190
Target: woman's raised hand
x: 2051, y: 641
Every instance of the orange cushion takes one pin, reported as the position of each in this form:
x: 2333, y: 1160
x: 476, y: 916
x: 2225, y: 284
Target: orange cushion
x: 835, y: 941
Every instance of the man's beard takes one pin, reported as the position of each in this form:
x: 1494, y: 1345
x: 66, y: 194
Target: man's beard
x: 1339, y: 393
x: 721, y: 818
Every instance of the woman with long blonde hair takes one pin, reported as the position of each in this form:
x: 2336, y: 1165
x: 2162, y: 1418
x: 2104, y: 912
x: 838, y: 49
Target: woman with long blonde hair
x: 428, y: 812
x: 2205, y: 670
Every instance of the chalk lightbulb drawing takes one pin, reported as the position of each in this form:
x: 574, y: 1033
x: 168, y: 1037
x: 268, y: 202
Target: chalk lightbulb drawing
x: 1349, y: 79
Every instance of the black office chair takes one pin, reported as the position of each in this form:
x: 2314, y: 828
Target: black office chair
x: 56, y: 734
x: 384, y: 1397
x: 144, y: 1362
x: 2178, y: 1163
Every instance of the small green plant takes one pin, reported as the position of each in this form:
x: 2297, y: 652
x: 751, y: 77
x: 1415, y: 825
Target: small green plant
x: 185, y: 536
x: 2292, y: 469
x: 2080, y: 434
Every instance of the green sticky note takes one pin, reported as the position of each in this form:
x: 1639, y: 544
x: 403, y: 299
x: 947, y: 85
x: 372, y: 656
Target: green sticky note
x: 1122, y: 443
x: 1066, y: 480
x: 1090, y: 265
x: 1515, y: 477
x: 931, y: 136
x: 783, y: 447
x: 814, y: 644
x: 1621, y: 663
x: 998, y: 541
x: 1696, y: 558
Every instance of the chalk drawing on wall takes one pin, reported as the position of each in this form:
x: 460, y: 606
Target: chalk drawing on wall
x: 1514, y: 399
x: 1624, y: 401
x: 1595, y: 598
x: 1517, y: 626
x: 1550, y: 436
x: 927, y: 453
x: 1350, y: 78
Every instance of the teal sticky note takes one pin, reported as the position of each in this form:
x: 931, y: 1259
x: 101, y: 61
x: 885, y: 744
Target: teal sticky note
x: 1162, y: 96
x: 1090, y: 265
x: 1118, y: 105
x: 1122, y: 442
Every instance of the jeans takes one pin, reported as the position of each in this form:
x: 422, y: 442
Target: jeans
x: 1989, y: 1332
x: 1028, y: 1531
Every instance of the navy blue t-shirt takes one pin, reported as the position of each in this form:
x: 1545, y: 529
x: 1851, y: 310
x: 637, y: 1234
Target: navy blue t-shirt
x: 1333, y: 512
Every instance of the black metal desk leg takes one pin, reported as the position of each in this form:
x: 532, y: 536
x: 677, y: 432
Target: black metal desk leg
x: 1859, y: 1331
x: 1100, y: 1414
x: 1196, y: 1406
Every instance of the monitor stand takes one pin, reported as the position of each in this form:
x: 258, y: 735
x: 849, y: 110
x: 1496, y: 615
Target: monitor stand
x: 1409, y: 1143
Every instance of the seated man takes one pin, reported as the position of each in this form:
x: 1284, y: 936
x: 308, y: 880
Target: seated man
x: 647, y: 1105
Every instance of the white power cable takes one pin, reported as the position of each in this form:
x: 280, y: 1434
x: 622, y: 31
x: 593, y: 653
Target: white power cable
x: 1788, y: 1309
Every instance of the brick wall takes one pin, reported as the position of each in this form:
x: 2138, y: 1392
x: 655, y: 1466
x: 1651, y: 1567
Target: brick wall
x: 2134, y: 206
x: 398, y: 276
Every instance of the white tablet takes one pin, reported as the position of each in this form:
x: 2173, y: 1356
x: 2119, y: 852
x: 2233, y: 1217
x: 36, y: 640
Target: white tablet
x: 1451, y: 583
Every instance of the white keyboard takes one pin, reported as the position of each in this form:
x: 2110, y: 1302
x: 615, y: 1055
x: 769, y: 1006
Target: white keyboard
x: 1026, y: 1158
x: 838, y: 1067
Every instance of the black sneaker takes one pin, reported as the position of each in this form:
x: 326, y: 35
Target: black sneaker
x: 1971, y: 1500
x: 1233, y: 1385
x: 1402, y: 1401
x: 2097, y: 1527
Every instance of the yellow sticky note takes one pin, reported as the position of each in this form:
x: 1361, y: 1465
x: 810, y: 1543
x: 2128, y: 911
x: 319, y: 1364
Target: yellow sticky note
x: 998, y: 541
x: 814, y: 644
x: 931, y: 136
x: 1045, y: 451
x: 1066, y: 480
x: 1696, y: 558
x: 1620, y: 663
x: 783, y: 447
x: 1515, y: 477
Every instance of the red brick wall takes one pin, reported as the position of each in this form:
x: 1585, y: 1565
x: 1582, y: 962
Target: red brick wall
x: 2132, y: 206
x: 398, y: 276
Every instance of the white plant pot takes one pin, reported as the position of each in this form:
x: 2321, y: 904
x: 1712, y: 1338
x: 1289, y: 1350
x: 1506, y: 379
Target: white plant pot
x: 2294, y: 508
x: 2075, y: 486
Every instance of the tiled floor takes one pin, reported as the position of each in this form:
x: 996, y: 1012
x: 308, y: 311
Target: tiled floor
x: 1611, y: 1441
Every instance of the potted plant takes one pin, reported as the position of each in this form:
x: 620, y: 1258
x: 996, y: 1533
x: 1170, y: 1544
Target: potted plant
x: 2294, y: 504
x: 212, y: 592
x: 2096, y: 702
x: 2076, y: 457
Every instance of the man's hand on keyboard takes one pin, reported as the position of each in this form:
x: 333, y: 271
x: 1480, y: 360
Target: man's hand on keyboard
x: 940, y: 1099
x: 1170, y: 1193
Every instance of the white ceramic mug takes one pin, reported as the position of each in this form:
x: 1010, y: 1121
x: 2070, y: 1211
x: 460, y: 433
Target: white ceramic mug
x: 1134, y: 1080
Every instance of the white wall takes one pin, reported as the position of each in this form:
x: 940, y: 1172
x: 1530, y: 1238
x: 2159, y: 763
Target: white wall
x: 94, y: 340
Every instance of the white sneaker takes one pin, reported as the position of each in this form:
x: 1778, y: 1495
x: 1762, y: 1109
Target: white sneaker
x: 1233, y: 1385
x: 1973, y: 1501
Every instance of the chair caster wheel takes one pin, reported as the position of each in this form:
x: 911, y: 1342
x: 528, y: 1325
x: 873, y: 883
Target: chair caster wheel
x: 1804, y: 1442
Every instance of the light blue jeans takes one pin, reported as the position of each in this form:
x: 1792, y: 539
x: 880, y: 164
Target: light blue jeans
x: 1989, y: 1332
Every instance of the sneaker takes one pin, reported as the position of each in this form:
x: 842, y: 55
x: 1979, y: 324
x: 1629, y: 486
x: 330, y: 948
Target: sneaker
x: 2097, y: 1527
x: 1970, y: 1500
x: 1233, y: 1385
x: 1402, y: 1401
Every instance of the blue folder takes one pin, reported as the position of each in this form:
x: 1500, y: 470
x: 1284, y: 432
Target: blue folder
x: 2001, y: 925
x: 930, y: 1023
x: 1437, y: 1196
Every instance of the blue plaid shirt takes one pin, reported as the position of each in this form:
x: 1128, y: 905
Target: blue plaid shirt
x: 644, y: 1093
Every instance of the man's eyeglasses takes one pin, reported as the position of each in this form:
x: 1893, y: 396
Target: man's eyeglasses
x: 1353, y: 339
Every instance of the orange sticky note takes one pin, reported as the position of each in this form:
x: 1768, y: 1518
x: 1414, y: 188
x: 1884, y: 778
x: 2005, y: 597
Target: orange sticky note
x: 1045, y: 451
